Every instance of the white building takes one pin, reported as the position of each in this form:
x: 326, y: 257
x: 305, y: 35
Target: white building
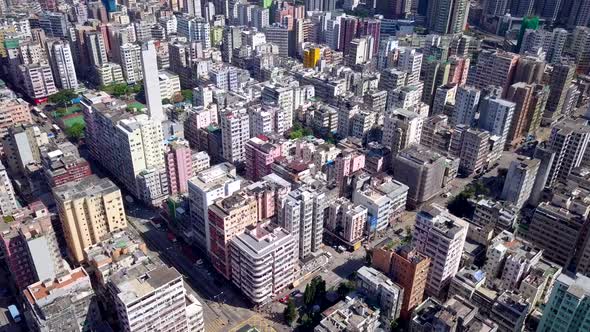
x: 508, y: 261
x: 62, y: 64
x: 151, y: 85
x: 466, y: 102
x: 401, y: 128
x: 302, y: 214
x: 37, y: 80
x: 263, y: 260
x: 405, y: 97
x: 495, y: 116
x: 195, y: 29
x: 378, y: 207
x: 8, y: 202
x: 235, y: 132
x: 110, y: 73
x: 219, y: 181
x: 169, y: 84
x: 410, y: 61
x: 440, y: 236
x: 380, y: 288
x: 154, y: 299
x: 520, y: 180
x: 131, y: 62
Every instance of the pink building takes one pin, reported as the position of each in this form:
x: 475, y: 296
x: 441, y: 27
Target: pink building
x: 200, y: 117
x: 268, y: 195
x: 179, y: 166
x: 13, y: 112
x: 29, y: 245
x: 348, y: 162
x: 458, y: 70
x: 260, y: 154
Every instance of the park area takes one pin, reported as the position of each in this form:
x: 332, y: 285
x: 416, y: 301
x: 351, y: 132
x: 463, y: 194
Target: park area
x: 71, y: 120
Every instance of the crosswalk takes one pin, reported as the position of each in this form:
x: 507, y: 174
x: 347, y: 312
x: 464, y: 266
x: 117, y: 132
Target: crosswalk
x: 215, y: 325
x: 256, y: 321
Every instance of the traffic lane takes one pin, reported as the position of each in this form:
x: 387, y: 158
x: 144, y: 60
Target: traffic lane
x: 195, y: 275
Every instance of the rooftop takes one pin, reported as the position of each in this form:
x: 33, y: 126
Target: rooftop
x: 89, y: 186
x: 141, y: 280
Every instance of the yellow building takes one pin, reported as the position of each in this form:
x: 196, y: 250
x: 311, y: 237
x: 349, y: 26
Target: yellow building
x: 216, y: 35
x: 89, y: 210
x: 311, y: 57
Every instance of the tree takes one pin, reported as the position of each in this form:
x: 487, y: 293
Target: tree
x: 344, y: 288
x: 306, y: 322
x: 309, y: 293
x: 187, y: 94
x: 119, y: 90
x: 320, y: 291
x: 64, y: 97
x: 165, y: 101
x: 76, y: 131
x: 393, y: 326
x: 290, y: 312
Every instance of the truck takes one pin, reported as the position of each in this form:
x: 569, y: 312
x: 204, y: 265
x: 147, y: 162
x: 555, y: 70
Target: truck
x: 14, y: 313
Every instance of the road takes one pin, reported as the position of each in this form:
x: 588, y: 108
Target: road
x: 223, y: 306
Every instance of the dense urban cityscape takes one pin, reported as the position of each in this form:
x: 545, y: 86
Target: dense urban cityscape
x: 295, y: 165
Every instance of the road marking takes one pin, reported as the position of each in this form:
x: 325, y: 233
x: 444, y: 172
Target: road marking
x: 214, y: 325
x: 260, y: 323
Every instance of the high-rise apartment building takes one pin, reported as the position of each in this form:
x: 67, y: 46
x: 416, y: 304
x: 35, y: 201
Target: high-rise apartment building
x: 263, y: 260
x: 346, y: 221
x: 521, y: 94
x: 151, y: 82
x: 260, y: 154
x: 229, y: 217
x: 8, y: 202
x: 378, y: 287
x: 440, y: 236
x: 179, y: 166
x: 302, y: 215
x: 410, y: 61
x: 466, y: 103
x: 152, y: 297
x: 207, y: 186
x: 13, y: 112
x: 131, y: 62
x: 568, y: 305
x: 37, y: 81
x: 235, y: 132
x: 447, y: 16
x: 62, y: 64
x: 472, y: 145
x: 569, y: 141
x: 560, y: 81
x: 495, y: 68
x: 89, y: 210
x: 130, y: 147
x: 29, y: 245
x: 495, y: 116
x: 422, y: 170
x: 520, y: 180
x: 67, y: 300
x: 401, y: 129
x: 409, y: 269
x: 558, y: 229
x: 195, y: 29
x: 278, y: 35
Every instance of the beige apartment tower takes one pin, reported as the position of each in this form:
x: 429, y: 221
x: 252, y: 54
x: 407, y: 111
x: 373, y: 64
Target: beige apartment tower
x: 89, y: 210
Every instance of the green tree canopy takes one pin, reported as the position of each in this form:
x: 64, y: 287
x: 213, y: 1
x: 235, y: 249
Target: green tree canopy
x: 290, y: 312
x: 76, y: 131
x: 63, y: 97
x: 187, y: 94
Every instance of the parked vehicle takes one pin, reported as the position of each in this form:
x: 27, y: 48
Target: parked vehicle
x: 14, y: 313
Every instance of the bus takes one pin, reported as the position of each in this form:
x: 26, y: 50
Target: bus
x: 55, y: 128
x: 43, y: 116
x: 14, y: 313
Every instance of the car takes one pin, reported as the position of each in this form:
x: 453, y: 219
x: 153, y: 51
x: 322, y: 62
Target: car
x: 284, y: 299
x: 295, y: 292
